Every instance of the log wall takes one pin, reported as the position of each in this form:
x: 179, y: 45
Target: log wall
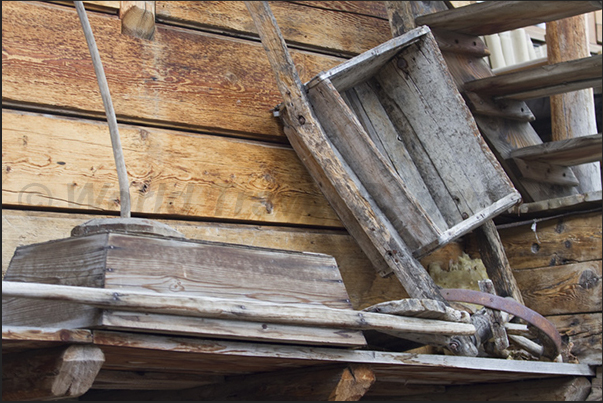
x: 204, y: 152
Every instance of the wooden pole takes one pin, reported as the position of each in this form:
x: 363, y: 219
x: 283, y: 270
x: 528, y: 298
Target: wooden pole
x: 306, y: 134
x: 122, y: 174
x: 573, y: 113
x: 206, y: 307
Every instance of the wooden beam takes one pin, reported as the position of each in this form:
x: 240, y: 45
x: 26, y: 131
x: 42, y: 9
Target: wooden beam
x: 573, y: 114
x: 542, y: 81
x: 220, y: 308
x: 219, y: 178
x: 318, y: 383
x: 137, y: 18
x: 64, y: 372
x: 568, y: 152
x: 595, y: 392
x: 487, y: 18
x: 165, y: 82
x: 561, y: 205
x: 195, y: 355
x: 316, y: 26
x: 571, y: 288
x: 553, y: 242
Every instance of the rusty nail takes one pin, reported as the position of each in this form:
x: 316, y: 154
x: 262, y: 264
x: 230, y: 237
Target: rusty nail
x: 464, y: 215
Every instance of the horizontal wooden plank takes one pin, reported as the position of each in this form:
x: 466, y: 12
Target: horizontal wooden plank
x: 128, y: 351
x: 558, y: 78
x: 575, y: 151
x: 303, y: 25
x: 372, y: 8
x: 67, y: 163
x: 365, y: 287
x: 558, y: 241
x: 571, y: 288
x: 485, y: 18
x: 182, y: 78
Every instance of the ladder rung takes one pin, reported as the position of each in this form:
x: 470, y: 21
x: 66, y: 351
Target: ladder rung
x: 570, y: 152
x: 491, y: 17
x: 542, y: 81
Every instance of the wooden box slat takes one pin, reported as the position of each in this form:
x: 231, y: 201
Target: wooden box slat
x: 180, y: 266
x: 398, y: 121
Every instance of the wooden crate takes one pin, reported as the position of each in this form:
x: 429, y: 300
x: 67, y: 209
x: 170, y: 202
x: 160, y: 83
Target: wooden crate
x: 123, y: 261
x: 395, y: 117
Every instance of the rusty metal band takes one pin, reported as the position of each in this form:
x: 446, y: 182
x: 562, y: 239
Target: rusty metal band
x: 511, y: 306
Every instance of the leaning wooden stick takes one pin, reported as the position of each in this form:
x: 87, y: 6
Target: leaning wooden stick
x: 122, y: 174
x: 253, y: 311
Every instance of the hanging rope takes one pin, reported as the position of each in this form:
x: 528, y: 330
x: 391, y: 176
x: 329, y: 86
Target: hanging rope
x: 122, y: 174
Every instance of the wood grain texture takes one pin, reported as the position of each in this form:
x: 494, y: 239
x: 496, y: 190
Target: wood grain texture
x: 180, y: 79
x: 512, y: 85
x: 122, y: 350
x: 67, y: 163
x: 554, y: 242
x: 137, y: 18
x: 149, y: 380
x: 303, y: 25
x: 583, y: 333
x: 571, y: 288
x: 568, y: 152
x: 573, y: 114
x: 489, y: 18
x: 51, y: 374
x: 365, y: 287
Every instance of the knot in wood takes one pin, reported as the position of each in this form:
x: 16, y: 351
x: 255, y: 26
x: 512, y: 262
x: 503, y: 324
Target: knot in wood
x: 302, y: 120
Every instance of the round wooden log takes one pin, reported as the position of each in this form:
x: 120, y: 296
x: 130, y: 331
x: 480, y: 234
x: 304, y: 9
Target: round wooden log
x: 207, y: 307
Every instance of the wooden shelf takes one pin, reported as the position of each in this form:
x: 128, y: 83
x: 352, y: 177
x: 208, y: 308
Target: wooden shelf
x: 492, y: 17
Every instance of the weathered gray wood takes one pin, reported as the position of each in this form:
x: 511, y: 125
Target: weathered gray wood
x: 230, y: 329
x: 418, y: 87
x: 208, y: 307
x: 365, y: 65
x: 493, y: 17
x: 390, y: 193
x: 374, y: 118
x: 64, y: 372
x: 195, y: 355
x: 155, y: 263
x: 558, y: 205
x: 595, y: 392
x: 569, y: 152
x: 420, y: 308
x: 504, y: 108
x: 543, y: 172
x: 495, y: 260
x: 377, y: 239
x: 504, y: 136
x: 542, y: 81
